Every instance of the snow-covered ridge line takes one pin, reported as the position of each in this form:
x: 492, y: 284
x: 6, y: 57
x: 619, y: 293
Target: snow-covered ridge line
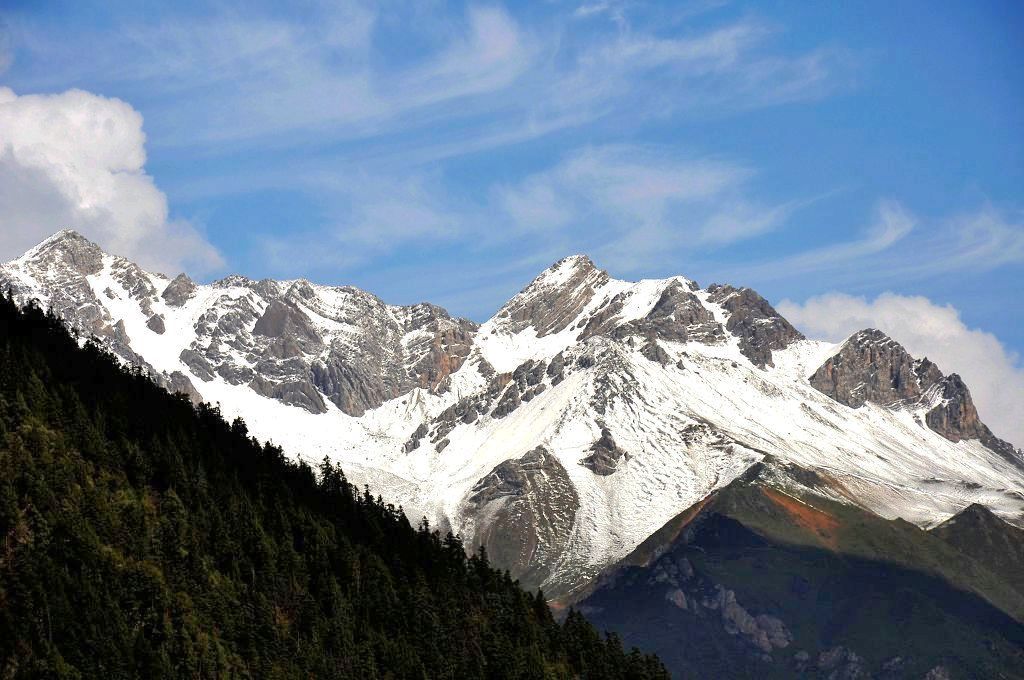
x: 564, y: 430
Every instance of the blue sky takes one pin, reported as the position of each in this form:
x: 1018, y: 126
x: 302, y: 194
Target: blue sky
x: 448, y: 152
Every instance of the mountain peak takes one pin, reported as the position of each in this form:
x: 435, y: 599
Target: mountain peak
x: 68, y: 248
x: 566, y: 270
x: 872, y: 367
x: 65, y: 235
x: 556, y: 297
x: 873, y: 336
x: 759, y: 326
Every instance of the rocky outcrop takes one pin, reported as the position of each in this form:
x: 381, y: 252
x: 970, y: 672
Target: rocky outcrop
x: 556, y: 298
x: 71, y: 251
x: 677, y: 316
x: 60, y: 266
x: 523, y: 384
x: 442, y: 345
x: 414, y: 439
x: 136, y: 283
x: 301, y: 393
x: 358, y: 354
x: 351, y: 386
x: 156, y: 324
x: 840, y: 663
x: 556, y: 369
x: 178, y: 383
x: 655, y: 352
x: 605, y: 455
x: 281, y: 320
x: 758, y: 326
x: 179, y: 291
x: 523, y: 513
x: 766, y: 633
x: 872, y: 367
x: 955, y: 416
x: 198, y: 364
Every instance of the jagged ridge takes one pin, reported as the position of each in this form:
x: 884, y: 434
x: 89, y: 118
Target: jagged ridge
x: 644, y: 396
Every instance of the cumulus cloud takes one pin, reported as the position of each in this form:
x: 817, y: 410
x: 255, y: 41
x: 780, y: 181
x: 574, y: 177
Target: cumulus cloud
x: 76, y: 160
x: 994, y: 374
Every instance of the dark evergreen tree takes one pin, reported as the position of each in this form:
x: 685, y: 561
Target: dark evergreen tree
x: 143, y: 537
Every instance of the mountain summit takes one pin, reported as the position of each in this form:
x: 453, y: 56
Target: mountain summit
x: 566, y: 429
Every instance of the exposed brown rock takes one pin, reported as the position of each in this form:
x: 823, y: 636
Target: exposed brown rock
x: 525, y: 510
x: 605, y: 455
x: 678, y: 316
x: 299, y: 393
x: 198, y: 364
x: 955, y: 417
x: 603, y: 320
x: 414, y: 440
x: 73, y: 251
x: 281, y: 319
x: 509, y: 402
x: 758, y: 326
x: 872, y: 367
x: 178, y: 291
x: 550, y: 308
x: 156, y: 324
x: 351, y: 386
x: 177, y: 382
x: 655, y: 352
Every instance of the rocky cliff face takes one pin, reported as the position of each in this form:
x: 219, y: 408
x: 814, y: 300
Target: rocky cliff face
x: 564, y: 430
x: 872, y: 367
x: 293, y: 342
x: 526, y: 509
x: 758, y: 326
x: 550, y: 304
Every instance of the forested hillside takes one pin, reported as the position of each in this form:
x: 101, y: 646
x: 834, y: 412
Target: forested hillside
x: 145, y: 537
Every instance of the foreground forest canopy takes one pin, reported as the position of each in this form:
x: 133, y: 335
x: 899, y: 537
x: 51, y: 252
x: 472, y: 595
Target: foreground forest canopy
x: 143, y: 536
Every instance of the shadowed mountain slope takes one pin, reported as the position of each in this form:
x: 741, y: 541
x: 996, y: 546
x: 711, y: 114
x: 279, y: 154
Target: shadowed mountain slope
x: 767, y: 578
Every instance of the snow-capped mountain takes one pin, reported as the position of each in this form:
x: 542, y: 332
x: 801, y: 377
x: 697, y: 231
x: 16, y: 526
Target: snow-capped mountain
x: 566, y: 429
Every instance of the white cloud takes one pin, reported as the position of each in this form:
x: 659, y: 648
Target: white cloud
x: 741, y: 220
x: 489, y: 56
x: 481, y: 80
x: 256, y: 76
x: 994, y: 375
x: 631, y: 206
x: 899, y: 246
x: 892, y: 224
x: 76, y: 160
x: 367, y: 216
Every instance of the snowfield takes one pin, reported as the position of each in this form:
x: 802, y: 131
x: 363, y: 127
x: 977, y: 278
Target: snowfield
x: 688, y: 424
